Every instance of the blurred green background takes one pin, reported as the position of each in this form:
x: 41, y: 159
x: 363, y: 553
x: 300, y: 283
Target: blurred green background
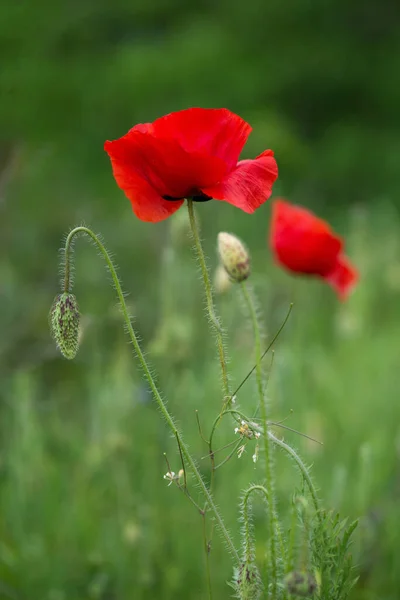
x: 85, y: 513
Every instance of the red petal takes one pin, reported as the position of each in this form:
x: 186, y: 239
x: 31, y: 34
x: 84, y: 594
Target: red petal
x: 210, y: 131
x: 169, y: 169
x: 249, y: 185
x: 142, y: 127
x: 147, y: 204
x: 343, y: 278
x: 302, y: 242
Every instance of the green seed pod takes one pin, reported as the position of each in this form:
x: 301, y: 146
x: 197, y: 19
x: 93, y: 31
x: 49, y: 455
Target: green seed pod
x: 234, y: 256
x: 64, y: 324
x: 300, y: 583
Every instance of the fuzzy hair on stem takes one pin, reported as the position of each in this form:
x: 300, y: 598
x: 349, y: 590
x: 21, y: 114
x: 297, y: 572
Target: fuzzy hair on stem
x: 148, y: 375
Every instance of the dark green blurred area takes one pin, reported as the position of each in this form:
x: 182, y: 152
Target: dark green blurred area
x: 85, y: 513
x: 318, y: 81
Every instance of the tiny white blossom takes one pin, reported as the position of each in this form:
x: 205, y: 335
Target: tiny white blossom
x: 257, y: 434
x: 170, y: 476
x: 233, y: 399
x: 236, y: 429
x: 241, y: 450
x: 255, y: 455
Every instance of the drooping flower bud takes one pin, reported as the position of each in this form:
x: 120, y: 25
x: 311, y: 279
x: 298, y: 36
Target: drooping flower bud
x: 301, y: 583
x: 234, y: 256
x: 64, y: 324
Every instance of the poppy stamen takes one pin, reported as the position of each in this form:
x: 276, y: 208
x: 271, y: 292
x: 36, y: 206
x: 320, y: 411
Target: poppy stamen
x: 195, y: 198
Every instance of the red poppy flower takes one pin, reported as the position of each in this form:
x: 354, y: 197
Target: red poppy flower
x: 303, y: 243
x: 190, y: 154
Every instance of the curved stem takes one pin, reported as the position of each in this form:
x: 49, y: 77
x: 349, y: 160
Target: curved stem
x: 273, y: 522
x: 149, y: 377
x: 237, y: 415
x: 209, y: 298
x: 302, y: 468
x: 245, y: 502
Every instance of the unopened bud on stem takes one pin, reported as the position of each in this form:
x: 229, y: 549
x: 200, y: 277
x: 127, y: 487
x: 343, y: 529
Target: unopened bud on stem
x: 222, y: 281
x: 301, y: 583
x: 234, y: 256
x: 64, y: 324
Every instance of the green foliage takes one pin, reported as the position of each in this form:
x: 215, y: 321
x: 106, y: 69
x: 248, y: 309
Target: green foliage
x: 85, y: 511
x: 84, y: 502
x: 331, y: 556
x: 305, y: 74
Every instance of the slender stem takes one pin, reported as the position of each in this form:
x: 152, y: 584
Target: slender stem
x: 273, y: 522
x: 292, y: 540
x: 182, y: 461
x: 247, y: 530
x: 232, y: 452
x: 257, y: 340
x: 149, y: 377
x: 209, y: 298
x: 272, y: 342
x: 248, y: 542
x: 302, y: 467
x: 215, y: 325
x: 207, y: 553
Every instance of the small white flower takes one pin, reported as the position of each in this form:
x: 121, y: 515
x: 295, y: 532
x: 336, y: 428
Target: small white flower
x: 236, y: 429
x: 257, y: 434
x: 170, y: 476
x: 233, y: 399
x: 241, y: 450
x: 255, y: 455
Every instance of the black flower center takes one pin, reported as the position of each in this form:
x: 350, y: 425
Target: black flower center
x: 195, y: 198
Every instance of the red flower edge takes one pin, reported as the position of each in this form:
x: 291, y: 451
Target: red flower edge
x: 192, y: 153
x: 305, y: 244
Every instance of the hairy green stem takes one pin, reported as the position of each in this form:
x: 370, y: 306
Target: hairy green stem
x: 147, y: 373
x: 215, y: 324
x: 273, y: 522
x: 302, y: 468
x: 246, y: 520
x: 209, y: 298
x: 207, y: 556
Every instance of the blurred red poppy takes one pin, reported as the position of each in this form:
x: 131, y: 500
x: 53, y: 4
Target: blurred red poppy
x: 305, y: 244
x: 190, y: 154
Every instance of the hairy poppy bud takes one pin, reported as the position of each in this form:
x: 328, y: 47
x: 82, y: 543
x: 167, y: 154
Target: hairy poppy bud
x: 300, y: 583
x: 234, y: 256
x: 222, y: 281
x: 64, y: 324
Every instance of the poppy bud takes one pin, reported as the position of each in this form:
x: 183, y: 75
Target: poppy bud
x: 222, y: 281
x: 300, y: 583
x: 64, y: 324
x: 234, y: 256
